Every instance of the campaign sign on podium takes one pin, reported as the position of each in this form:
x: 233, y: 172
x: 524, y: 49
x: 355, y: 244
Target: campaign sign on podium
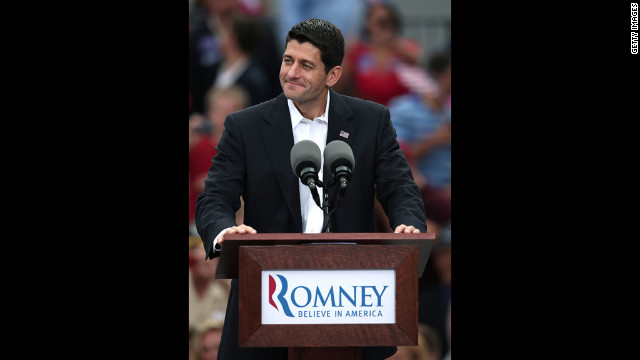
x: 328, y: 297
x: 321, y: 294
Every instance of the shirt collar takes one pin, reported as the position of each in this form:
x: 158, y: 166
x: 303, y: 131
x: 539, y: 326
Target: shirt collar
x: 296, y: 117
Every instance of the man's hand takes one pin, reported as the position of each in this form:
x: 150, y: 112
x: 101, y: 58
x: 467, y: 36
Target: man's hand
x: 406, y: 229
x: 240, y: 229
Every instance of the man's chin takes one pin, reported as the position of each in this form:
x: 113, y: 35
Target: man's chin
x: 291, y: 95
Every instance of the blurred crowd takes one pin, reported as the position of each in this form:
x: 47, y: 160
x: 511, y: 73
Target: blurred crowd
x: 235, y: 51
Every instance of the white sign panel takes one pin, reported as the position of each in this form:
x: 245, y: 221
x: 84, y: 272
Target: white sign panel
x: 329, y: 296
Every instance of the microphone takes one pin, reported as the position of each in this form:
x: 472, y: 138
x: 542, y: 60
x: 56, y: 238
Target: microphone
x: 339, y: 157
x: 305, y: 162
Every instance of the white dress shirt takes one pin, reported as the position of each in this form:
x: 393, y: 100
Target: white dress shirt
x: 316, y: 131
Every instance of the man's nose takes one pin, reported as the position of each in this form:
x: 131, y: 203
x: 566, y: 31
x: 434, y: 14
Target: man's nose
x: 294, y: 71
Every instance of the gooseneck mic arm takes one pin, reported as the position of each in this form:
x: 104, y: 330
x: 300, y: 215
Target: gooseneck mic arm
x: 326, y: 214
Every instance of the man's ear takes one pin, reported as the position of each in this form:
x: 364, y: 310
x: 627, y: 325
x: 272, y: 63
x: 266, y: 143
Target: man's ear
x: 334, y: 75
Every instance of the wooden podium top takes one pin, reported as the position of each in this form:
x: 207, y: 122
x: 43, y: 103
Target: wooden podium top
x: 228, y: 264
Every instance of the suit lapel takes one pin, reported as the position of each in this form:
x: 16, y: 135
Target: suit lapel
x: 278, y: 141
x: 340, y: 128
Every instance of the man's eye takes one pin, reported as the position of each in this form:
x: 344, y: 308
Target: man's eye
x: 306, y: 66
x: 286, y: 61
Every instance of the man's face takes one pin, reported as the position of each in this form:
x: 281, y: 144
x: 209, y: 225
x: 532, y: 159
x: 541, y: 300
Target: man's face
x: 302, y: 73
x: 222, y: 106
x: 380, y: 25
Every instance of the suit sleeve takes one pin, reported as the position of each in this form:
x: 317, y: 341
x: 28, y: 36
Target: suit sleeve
x: 216, y: 206
x: 396, y: 190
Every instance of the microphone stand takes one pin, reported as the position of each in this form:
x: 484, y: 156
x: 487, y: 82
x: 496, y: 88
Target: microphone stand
x: 326, y: 228
x: 325, y: 210
x: 325, y: 203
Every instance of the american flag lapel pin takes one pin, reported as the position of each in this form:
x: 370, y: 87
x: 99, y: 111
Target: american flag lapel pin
x: 344, y: 134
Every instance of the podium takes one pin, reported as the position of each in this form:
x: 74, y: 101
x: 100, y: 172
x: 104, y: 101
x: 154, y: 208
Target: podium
x: 326, y: 295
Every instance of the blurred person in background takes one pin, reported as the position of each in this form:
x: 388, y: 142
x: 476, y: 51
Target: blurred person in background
x: 238, y: 66
x: 207, y: 18
x: 345, y: 15
x: 204, y: 45
x: 207, y: 295
x: 423, y: 126
x: 206, y: 132
x: 374, y: 66
x: 377, y: 66
x: 196, y: 122
x: 207, y: 340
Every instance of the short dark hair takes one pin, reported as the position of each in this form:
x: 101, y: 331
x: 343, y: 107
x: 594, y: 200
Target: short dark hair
x: 438, y: 63
x: 247, y: 31
x: 394, y: 17
x: 323, y: 35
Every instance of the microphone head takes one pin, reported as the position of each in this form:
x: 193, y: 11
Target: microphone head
x: 338, y: 153
x: 305, y: 154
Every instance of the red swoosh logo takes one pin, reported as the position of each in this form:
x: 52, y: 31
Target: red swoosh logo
x: 272, y: 289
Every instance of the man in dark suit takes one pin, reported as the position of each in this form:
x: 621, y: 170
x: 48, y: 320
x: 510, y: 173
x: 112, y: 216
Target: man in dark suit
x: 253, y: 161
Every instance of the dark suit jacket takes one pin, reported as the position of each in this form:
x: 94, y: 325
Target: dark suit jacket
x: 253, y: 160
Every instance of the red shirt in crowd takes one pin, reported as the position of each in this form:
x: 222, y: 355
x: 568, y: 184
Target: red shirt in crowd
x: 199, y: 163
